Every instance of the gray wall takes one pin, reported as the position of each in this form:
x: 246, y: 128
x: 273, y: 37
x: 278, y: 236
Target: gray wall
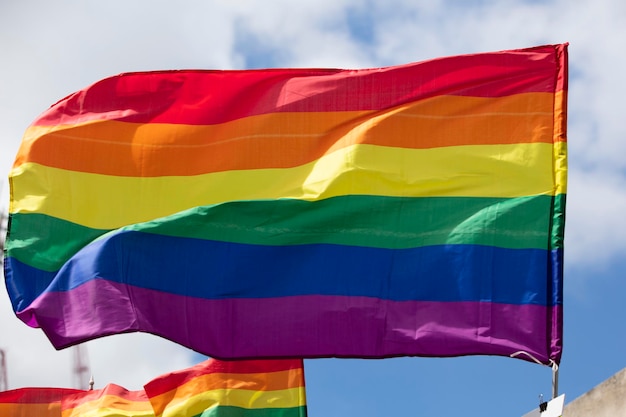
x: 605, y: 400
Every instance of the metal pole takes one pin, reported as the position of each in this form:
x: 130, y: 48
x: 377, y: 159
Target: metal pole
x: 555, y: 381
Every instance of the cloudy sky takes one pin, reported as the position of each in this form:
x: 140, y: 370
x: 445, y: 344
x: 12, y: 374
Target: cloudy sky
x: 50, y: 49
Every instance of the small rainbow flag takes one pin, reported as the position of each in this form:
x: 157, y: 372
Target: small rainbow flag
x: 411, y: 210
x: 267, y: 388
x: 213, y: 388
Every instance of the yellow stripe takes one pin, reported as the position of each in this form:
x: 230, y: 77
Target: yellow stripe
x: 194, y: 405
x: 100, y: 201
x: 110, y: 405
x: 107, y: 412
x: 560, y: 166
x: 560, y: 138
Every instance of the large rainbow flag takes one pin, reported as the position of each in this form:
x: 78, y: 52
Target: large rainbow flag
x: 408, y: 210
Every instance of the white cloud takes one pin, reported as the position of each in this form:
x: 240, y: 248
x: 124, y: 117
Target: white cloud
x: 597, y: 202
x: 307, y: 34
x: 146, y: 355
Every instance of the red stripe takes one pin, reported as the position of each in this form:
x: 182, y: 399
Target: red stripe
x: 210, y: 97
x: 562, y: 65
x: 36, y: 395
x: 175, y: 379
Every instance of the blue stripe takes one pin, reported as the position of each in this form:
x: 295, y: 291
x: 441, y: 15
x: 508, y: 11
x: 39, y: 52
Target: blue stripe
x: 214, y: 270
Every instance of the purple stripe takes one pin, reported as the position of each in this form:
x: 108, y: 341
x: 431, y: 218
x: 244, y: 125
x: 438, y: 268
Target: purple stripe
x: 303, y: 326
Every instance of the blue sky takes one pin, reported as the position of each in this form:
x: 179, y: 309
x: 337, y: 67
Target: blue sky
x: 50, y: 49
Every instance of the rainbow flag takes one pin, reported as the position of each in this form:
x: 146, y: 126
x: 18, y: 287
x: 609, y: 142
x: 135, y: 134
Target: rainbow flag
x: 111, y: 401
x: 262, y: 388
x: 408, y: 210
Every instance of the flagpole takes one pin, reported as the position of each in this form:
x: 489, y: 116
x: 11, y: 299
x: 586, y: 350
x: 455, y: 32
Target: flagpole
x: 555, y: 371
x: 555, y: 380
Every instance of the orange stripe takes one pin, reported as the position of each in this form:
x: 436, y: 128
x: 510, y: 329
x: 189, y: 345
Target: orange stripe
x: 283, y: 140
x: 560, y: 116
x: 273, y: 381
x: 37, y: 410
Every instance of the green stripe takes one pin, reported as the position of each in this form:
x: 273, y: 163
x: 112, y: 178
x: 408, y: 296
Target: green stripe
x: 373, y: 221
x: 558, y: 221
x: 46, y: 242
x: 230, y: 411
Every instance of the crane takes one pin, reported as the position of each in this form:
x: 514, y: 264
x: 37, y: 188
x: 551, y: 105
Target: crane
x: 81, y: 368
x: 4, y: 382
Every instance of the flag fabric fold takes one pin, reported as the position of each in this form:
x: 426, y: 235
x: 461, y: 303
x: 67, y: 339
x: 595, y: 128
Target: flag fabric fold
x: 415, y: 210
